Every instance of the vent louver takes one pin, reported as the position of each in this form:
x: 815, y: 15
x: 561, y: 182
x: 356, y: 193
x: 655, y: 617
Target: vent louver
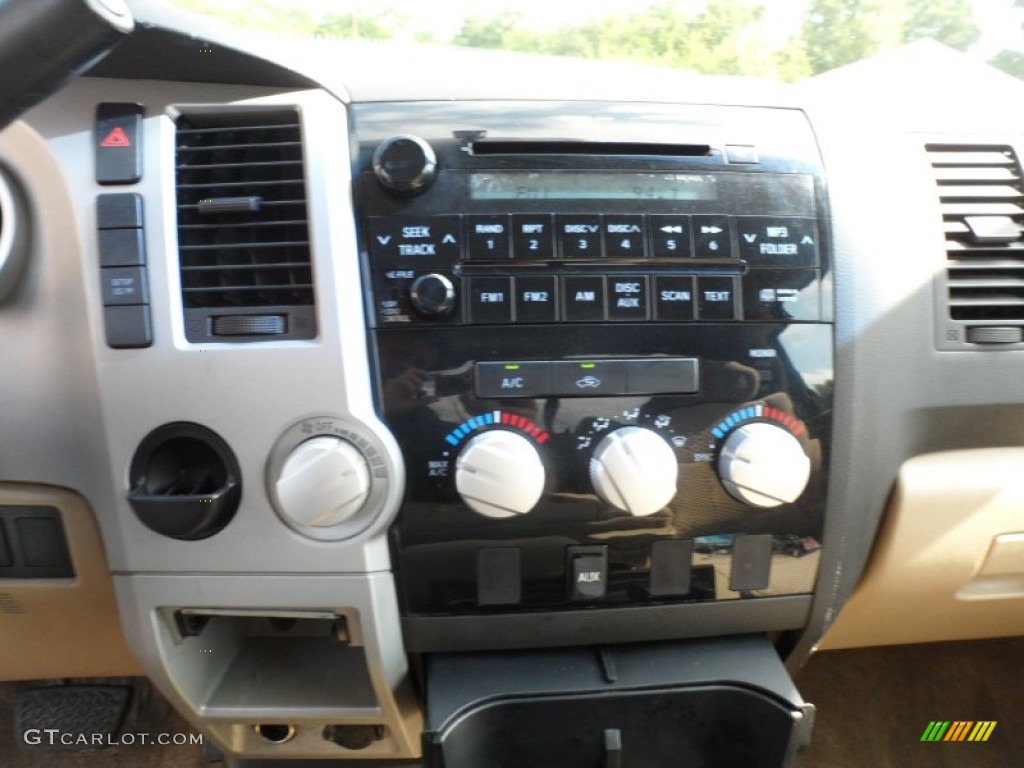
x: 243, y: 236
x: 982, y: 198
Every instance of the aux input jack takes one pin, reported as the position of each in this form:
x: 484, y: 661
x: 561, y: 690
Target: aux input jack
x: 275, y: 733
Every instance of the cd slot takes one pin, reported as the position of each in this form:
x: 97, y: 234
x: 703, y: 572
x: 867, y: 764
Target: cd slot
x: 616, y: 148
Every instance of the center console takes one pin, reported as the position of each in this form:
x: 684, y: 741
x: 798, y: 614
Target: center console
x: 602, y: 338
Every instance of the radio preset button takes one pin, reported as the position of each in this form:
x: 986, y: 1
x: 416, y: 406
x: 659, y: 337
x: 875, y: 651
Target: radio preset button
x: 670, y: 236
x: 535, y: 300
x: 588, y: 378
x: 624, y: 236
x: 415, y: 240
x: 712, y: 237
x: 533, y: 236
x: 580, y: 237
x: 504, y: 380
x: 627, y: 297
x: 487, y: 237
x: 716, y: 298
x: 583, y: 298
x: 673, y: 298
x: 490, y: 300
x: 767, y: 241
x: 782, y: 294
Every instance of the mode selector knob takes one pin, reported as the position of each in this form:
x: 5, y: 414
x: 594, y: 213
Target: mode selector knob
x: 500, y: 474
x: 324, y: 482
x: 763, y: 465
x: 634, y: 470
x: 405, y: 164
x: 432, y: 295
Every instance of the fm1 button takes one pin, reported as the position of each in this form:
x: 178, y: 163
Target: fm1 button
x: 588, y: 572
x: 503, y: 380
x: 490, y: 300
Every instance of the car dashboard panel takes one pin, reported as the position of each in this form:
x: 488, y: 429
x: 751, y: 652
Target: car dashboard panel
x: 427, y: 400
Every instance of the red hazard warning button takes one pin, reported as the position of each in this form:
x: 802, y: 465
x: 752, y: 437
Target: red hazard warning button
x: 118, y: 143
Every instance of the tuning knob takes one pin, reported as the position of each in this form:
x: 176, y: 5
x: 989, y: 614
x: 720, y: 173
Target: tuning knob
x: 405, y: 164
x: 634, y: 470
x: 763, y: 465
x: 499, y: 474
x: 324, y: 482
x: 432, y: 295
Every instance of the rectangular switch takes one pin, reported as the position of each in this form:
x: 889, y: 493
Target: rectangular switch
x: 588, y: 572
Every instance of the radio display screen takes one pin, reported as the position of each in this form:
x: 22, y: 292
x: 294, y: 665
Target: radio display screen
x: 572, y: 185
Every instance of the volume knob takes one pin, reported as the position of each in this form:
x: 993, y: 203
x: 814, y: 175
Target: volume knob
x: 405, y: 164
x: 499, y: 474
x: 432, y: 295
x: 763, y: 465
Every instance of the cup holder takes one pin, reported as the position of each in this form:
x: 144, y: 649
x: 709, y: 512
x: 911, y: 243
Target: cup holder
x: 184, y: 482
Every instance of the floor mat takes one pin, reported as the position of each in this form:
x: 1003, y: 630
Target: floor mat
x: 874, y: 705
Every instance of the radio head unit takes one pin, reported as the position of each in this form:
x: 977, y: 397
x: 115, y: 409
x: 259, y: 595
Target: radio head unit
x: 607, y: 357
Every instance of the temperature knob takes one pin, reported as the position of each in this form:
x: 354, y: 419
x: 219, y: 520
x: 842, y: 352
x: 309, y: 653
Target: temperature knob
x: 405, y: 164
x: 499, y: 474
x: 432, y: 295
x: 324, y: 482
x: 634, y: 470
x: 763, y: 465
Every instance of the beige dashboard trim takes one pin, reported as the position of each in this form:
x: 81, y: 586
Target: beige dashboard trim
x: 63, y: 627
x: 948, y: 564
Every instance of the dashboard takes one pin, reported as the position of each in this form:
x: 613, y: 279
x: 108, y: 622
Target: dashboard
x: 379, y: 415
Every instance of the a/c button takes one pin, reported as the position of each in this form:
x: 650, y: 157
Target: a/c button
x: 503, y: 380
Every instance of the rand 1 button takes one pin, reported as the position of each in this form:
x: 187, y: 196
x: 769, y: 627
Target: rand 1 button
x: 579, y: 236
x: 490, y: 300
x: 782, y: 294
x: 623, y: 236
x: 712, y: 237
x: 415, y: 240
x: 536, y: 299
x: 513, y: 379
x: 487, y: 237
x: 627, y: 297
x: 587, y: 378
x: 533, y: 236
x: 583, y: 298
x: 673, y: 298
x: 716, y: 298
x: 670, y: 236
x: 778, y: 241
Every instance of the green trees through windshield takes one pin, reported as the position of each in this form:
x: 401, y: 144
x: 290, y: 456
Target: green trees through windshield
x: 731, y: 37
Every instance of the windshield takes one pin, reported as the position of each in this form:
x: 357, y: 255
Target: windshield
x: 787, y: 41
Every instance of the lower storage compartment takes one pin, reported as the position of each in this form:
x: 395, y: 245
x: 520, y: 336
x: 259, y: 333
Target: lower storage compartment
x: 717, y: 703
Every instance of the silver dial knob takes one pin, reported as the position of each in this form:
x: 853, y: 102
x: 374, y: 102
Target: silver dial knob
x: 432, y: 295
x: 405, y: 164
x: 499, y: 474
x: 763, y: 465
x: 634, y: 470
x: 324, y: 482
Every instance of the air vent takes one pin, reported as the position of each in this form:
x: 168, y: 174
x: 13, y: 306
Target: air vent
x: 243, y: 235
x: 982, y: 199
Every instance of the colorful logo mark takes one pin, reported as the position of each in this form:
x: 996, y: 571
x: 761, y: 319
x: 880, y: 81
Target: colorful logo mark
x: 958, y: 730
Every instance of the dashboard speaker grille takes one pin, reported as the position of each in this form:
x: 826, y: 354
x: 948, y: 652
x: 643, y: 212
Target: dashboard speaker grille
x: 982, y: 198
x: 243, y: 235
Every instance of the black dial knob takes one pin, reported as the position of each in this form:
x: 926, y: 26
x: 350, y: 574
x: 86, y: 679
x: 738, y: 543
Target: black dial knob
x: 432, y: 295
x: 405, y: 164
